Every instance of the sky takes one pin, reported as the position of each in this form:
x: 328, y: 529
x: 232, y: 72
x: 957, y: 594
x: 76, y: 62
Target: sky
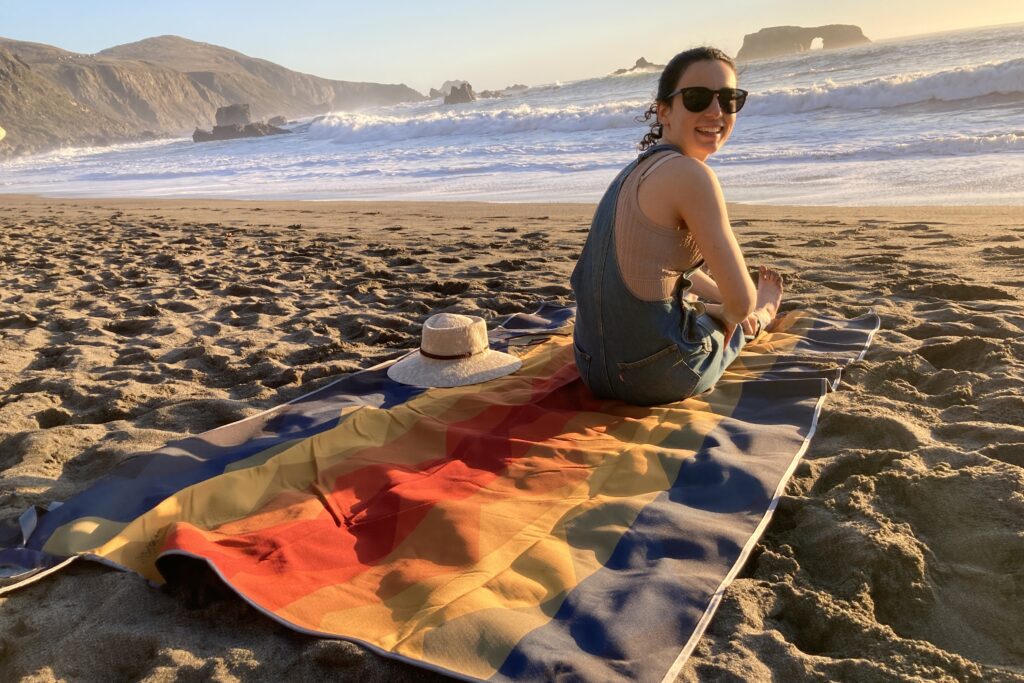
x: 492, y: 45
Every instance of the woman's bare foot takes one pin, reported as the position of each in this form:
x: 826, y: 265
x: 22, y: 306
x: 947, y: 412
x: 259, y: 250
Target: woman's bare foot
x: 769, y: 295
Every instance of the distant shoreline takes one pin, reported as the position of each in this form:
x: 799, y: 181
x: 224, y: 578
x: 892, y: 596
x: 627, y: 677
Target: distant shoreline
x: 459, y: 206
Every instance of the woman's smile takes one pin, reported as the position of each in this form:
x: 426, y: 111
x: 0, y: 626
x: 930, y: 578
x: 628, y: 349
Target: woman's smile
x: 711, y: 133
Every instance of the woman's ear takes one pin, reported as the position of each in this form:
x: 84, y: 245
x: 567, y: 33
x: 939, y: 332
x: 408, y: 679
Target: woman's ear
x: 663, y: 111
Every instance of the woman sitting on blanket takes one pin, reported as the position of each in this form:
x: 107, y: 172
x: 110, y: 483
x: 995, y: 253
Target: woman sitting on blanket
x: 641, y: 335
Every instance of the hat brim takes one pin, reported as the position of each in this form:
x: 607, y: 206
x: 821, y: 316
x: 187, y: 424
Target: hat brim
x: 420, y: 371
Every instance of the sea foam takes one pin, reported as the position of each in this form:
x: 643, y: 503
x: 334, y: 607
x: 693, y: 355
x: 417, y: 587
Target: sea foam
x: 952, y: 85
x: 353, y: 127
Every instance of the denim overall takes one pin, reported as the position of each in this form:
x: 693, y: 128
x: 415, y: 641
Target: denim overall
x: 640, y: 352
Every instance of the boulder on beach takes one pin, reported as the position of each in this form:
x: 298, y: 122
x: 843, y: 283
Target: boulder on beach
x: 277, y: 121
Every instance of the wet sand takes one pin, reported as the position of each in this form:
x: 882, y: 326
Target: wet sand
x: 896, y: 554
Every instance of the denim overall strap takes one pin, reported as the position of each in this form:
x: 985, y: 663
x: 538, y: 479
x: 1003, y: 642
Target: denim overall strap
x: 597, y: 286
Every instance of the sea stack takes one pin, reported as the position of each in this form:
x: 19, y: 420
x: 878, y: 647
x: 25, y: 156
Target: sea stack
x: 460, y: 94
x: 777, y: 41
x: 641, y: 65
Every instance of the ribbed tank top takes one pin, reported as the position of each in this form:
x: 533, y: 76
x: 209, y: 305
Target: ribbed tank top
x: 651, y: 257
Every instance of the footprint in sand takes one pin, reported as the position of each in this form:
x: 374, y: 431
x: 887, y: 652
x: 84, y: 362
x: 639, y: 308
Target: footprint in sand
x: 846, y: 463
x: 969, y: 353
x: 178, y: 306
x: 951, y: 321
x: 1003, y: 253
x: 447, y: 287
x: 130, y: 327
x: 975, y: 435
x: 134, y: 355
x: 1010, y: 453
x: 954, y: 291
x: 509, y: 265
x: 52, y: 417
x: 873, y: 430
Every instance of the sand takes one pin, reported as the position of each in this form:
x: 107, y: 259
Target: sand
x: 897, y: 552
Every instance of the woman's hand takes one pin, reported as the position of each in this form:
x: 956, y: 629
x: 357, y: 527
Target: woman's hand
x: 729, y: 331
x: 717, y: 312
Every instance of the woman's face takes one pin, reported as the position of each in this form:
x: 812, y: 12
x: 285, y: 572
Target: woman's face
x: 699, y: 134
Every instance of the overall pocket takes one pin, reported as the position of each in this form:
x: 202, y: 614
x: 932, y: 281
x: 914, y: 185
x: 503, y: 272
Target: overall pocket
x: 662, y: 377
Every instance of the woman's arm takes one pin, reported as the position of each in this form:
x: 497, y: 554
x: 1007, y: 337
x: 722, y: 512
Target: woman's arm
x: 705, y: 287
x: 695, y: 195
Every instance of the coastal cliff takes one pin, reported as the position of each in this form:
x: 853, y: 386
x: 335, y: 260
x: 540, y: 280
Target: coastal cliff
x: 156, y: 87
x: 777, y: 41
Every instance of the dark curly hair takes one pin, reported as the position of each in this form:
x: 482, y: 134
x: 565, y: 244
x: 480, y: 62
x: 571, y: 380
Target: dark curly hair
x: 667, y: 83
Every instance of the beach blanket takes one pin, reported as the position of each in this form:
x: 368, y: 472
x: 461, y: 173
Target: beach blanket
x: 518, y: 529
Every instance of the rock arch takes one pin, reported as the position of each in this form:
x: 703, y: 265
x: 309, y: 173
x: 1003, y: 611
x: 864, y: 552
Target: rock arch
x: 776, y: 41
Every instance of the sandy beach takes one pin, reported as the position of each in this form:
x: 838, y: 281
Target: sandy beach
x: 896, y: 554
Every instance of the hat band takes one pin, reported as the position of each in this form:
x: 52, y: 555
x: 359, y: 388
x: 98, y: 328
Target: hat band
x: 456, y: 357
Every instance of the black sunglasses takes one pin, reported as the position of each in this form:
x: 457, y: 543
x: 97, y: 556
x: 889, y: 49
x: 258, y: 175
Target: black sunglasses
x: 697, y: 98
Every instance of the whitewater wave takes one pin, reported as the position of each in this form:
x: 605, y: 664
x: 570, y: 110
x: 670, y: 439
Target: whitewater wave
x: 356, y: 127
x: 939, y: 146
x: 1001, y: 79
x: 64, y: 155
x: 962, y: 83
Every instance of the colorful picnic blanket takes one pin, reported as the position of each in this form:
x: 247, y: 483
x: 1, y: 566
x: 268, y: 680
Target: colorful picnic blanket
x: 514, y: 530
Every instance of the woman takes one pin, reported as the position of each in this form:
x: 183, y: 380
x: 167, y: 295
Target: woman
x: 639, y: 336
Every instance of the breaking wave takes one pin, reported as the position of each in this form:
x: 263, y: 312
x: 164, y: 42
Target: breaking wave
x: 941, y: 146
x: 962, y: 83
x: 355, y: 127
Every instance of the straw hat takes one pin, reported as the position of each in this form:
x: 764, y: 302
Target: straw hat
x: 453, y: 352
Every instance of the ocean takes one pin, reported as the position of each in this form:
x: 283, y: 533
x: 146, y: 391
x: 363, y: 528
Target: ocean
x: 936, y: 119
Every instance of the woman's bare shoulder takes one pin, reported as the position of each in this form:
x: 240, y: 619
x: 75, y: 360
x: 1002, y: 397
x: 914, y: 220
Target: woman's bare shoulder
x: 681, y: 168
x: 682, y: 178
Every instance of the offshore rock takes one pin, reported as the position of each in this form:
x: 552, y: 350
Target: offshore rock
x: 501, y: 93
x: 234, y: 115
x: 641, y: 65
x: 777, y: 41
x: 460, y: 95
x: 235, y: 131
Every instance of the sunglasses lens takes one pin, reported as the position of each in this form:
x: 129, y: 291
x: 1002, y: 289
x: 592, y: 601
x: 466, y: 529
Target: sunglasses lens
x: 697, y: 99
x: 731, y: 99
